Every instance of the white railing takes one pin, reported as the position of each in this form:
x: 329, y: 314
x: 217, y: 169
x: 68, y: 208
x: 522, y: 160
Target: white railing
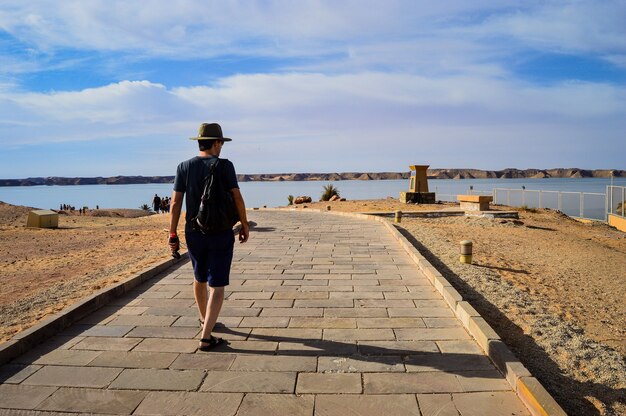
x: 616, y: 197
x: 574, y: 204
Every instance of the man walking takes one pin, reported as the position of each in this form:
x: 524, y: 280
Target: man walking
x: 211, y: 254
x: 156, y: 203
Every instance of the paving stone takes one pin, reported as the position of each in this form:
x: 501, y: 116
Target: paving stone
x: 66, y: 357
x: 203, y: 361
x: 437, y: 405
x: 251, y: 347
x: 107, y: 344
x: 66, y: 376
x: 356, y: 295
x: 156, y: 379
x: 251, y: 295
x: 276, y: 404
x: 394, y: 383
x: 134, y: 359
x: 355, y: 313
x: 397, y: 347
x: 16, y: 373
x: 328, y: 383
x: 300, y: 295
x: 298, y: 322
x: 98, y: 330
x: 390, y: 323
x: 460, y: 347
x: 144, y: 320
x: 360, y: 364
x: 292, y: 312
x: 163, y: 332
x: 426, y: 295
x: 250, y: 382
x: 167, y: 345
x: 448, y: 362
x: 180, y: 403
x: 434, y: 334
x: 317, y: 348
x: 93, y: 401
x: 359, y: 334
x: 269, y: 322
x: 383, y: 303
x: 366, y: 405
x: 274, y: 363
x: 491, y: 380
x: 442, y: 322
x: 324, y: 303
x: 286, y: 334
x: 23, y: 397
x: 423, y: 311
x: 227, y: 311
x: 489, y: 404
x: 282, y: 303
x: 344, y: 288
x: 170, y: 303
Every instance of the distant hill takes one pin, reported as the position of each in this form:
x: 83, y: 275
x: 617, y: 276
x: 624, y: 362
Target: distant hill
x: 363, y: 176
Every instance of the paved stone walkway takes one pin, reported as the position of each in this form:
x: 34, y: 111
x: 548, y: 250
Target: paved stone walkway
x: 325, y: 315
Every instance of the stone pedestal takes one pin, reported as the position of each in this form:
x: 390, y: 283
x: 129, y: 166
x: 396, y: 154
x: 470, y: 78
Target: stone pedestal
x: 474, y: 202
x: 417, y: 197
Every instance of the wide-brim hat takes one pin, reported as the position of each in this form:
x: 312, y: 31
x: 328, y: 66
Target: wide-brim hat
x: 210, y: 131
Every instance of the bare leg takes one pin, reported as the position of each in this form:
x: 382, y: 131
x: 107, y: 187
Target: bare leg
x: 216, y: 299
x: 202, y: 297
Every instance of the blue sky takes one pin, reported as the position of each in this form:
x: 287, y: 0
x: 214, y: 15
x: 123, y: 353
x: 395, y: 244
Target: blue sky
x: 104, y: 88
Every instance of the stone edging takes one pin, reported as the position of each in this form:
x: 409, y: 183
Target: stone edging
x: 25, y: 340
x: 536, y: 398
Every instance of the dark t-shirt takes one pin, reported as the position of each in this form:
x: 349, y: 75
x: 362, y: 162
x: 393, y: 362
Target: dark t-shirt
x: 190, y: 176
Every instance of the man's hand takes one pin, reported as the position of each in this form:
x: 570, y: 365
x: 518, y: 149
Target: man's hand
x: 244, y: 232
x: 174, y: 243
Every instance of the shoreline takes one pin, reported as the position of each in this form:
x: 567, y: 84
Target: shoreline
x: 460, y: 174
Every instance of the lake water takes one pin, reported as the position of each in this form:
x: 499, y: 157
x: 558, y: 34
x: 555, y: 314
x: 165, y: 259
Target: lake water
x: 272, y: 194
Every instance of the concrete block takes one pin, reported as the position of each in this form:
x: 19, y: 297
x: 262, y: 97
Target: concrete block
x: 482, y: 332
x: 537, y: 399
x: 451, y: 296
x: 506, y: 362
x: 465, y: 311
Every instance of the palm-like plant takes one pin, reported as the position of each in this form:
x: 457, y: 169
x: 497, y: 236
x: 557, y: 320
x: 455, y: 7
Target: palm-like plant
x: 329, y: 192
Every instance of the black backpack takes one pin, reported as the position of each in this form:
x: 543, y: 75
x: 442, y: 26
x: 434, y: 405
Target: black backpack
x: 217, y: 211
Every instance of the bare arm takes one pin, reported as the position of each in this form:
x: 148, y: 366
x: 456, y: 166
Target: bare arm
x: 176, y: 206
x: 244, y: 233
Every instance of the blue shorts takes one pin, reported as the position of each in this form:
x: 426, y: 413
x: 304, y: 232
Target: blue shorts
x: 211, y: 256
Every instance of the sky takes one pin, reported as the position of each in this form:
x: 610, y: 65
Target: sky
x: 106, y: 88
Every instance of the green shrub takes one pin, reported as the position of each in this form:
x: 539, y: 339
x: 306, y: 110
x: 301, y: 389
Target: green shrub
x: 145, y: 207
x: 290, y: 199
x: 329, y: 192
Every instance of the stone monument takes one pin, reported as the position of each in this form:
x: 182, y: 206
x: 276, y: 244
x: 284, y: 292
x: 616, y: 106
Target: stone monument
x: 418, y: 187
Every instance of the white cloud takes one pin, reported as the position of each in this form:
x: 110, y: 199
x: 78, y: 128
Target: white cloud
x: 351, y: 114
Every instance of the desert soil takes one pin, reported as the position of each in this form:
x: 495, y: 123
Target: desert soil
x: 553, y: 288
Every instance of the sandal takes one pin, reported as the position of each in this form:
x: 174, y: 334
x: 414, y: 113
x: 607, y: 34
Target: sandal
x: 212, y: 343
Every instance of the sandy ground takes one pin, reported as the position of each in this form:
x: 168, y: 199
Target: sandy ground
x: 552, y: 287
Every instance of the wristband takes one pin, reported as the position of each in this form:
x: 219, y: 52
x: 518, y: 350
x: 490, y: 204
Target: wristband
x: 173, y: 235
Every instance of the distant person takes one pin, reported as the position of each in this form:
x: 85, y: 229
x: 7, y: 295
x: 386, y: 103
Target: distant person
x: 156, y: 203
x: 211, y: 254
